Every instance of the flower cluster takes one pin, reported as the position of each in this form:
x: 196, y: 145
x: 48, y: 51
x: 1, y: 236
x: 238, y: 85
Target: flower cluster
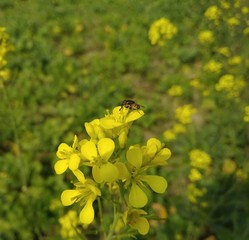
x: 206, y: 37
x: 200, y: 163
x: 5, y: 47
x: 213, y: 66
x: 230, y: 85
x: 161, y: 30
x: 126, y: 177
x: 184, y: 113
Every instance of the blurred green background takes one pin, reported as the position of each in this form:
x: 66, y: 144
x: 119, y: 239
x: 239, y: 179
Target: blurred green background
x: 73, y: 60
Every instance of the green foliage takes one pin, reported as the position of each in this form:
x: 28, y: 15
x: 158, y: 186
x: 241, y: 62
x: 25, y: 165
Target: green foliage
x: 72, y: 60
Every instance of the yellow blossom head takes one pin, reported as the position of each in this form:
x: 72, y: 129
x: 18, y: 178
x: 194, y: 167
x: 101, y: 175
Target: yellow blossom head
x: 184, y: 114
x: 161, y: 30
x: 213, y: 66
x: 212, y: 13
x: 86, y: 193
x: 199, y: 159
x: 135, y: 219
x: 206, y: 37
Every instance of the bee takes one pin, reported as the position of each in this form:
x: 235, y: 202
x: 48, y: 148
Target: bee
x: 130, y: 104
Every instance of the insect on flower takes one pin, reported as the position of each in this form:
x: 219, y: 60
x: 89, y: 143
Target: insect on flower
x: 130, y: 104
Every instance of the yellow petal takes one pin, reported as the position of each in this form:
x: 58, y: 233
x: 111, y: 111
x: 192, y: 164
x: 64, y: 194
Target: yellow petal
x: 63, y: 150
x: 162, y: 157
x: 109, y: 123
x: 123, y: 171
x: 142, y: 225
x: 61, y: 166
x: 80, y: 175
x: 134, y: 156
x: 89, y: 151
x: 87, y: 213
x: 154, y: 141
x: 105, y: 173
x: 75, y: 142
x: 68, y: 197
x: 134, y: 115
x: 137, y: 197
x: 105, y: 147
x: 74, y: 162
x: 157, y: 183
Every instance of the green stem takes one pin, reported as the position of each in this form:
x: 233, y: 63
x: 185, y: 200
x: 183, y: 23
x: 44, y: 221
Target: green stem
x: 113, y: 226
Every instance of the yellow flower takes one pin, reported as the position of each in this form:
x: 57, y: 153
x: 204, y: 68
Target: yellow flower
x: 69, y: 157
x: 228, y: 166
x: 195, y: 83
x: 224, y: 51
x: 69, y: 223
x: 114, y: 125
x: 134, y: 218
x: 139, y: 160
x: 160, y: 31
x: 184, y: 114
x: 199, y: 159
x: 193, y: 193
x: 245, y: 10
x: 212, y: 13
x: 175, y: 90
x: 241, y: 175
x: 194, y: 175
x: 230, y: 85
x: 236, y: 60
x: 169, y: 135
x: 246, y: 116
x: 179, y: 128
x: 206, y: 36
x: 233, y: 21
x: 97, y: 156
x: 213, y: 66
x: 86, y: 193
x: 225, y: 4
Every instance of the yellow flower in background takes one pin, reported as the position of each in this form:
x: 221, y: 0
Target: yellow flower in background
x: 246, y: 116
x: 212, y: 13
x: 194, y: 193
x: 225, y: 4
x: 228, y: 166
x: 199, y: 159
x: 206, y: 37
x: 245, y: 10
x: 179, y: 128
x: 135, y: 219
x: 85, y: 193
x: 169, y: 135
x: 184, y: 114
x: 69, y: 223
x: 194, y: 175
x: 175, y: 91
x: 233, y: 21
x: 241, y: 175
x: 224, y: 51
x: 196, y: 83
x: 236, y: 60
x: 213, y: 66
x: 229, y: 84
x: 161, y: 30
